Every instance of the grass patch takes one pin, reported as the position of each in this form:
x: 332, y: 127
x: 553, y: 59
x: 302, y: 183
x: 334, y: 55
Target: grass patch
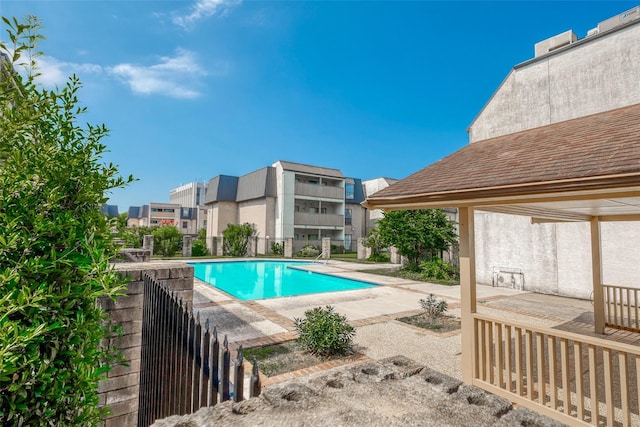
x: 410, y: 275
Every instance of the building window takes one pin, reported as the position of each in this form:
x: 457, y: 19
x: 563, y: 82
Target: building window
x: 347, y: 217
x: 154, y: 209
x: 185, y: 211
x: 349, y: 191
x: 312, y: 237
x: 347, y: 242
x: 184, y: 224
x: 204, y: 223
x: 323, y: 210
x: 154, y: 221
x: 169, y: 210
x: 313, y: 210
x: 313, y: 181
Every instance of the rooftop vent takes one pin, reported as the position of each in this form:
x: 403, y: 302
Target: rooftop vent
x: 618, y: 20
x: 555, y: 42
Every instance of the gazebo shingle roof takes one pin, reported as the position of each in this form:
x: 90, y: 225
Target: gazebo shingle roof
x: 600, y: 145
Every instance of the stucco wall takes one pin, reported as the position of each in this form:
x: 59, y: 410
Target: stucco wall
x: 598, y: 74
x: 555, y: 258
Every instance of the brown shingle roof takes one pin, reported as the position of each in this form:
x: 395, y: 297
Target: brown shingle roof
x: 599, y: 145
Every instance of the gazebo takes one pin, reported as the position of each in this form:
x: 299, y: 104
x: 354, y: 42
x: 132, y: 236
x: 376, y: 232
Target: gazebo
x: 586, y: 170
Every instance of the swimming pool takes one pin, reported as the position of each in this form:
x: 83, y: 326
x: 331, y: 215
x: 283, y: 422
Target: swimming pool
x: 249, y: 280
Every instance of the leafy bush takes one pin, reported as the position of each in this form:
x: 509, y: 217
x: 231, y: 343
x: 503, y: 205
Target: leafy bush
x: 236, y: 239
x: 277, y: 248
x: 438, y: 269
x: 373, y: 241
x: 309, y: 251
x: 337, y: 249
x: 199, y: 244
x: 134, y: 236
x: 433, y: 307
x: 167, y: 240
x: 55, y: 247
x: 324, y: 332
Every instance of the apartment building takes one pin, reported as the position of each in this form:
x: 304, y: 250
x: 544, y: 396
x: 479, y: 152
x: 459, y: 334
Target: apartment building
x: 290, y: 200
x: 189, y: 195
x: 154, y: 214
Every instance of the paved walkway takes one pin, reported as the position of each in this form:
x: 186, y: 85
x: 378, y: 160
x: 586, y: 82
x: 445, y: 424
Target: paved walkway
x: 374, y: 311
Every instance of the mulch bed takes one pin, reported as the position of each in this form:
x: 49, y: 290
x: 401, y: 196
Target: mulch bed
x: 442, y: 324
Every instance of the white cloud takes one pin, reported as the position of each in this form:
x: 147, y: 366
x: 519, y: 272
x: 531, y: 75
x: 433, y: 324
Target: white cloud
x: 172, y: 76
x: 203, y: 9
x: 54, y: 72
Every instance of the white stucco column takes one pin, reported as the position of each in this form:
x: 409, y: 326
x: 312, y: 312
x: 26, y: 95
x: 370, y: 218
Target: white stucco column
x: 596, y: 271
x: 467, y: 291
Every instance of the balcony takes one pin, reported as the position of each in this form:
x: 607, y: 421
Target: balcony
x: 301, y: 218
x: 321, y: 191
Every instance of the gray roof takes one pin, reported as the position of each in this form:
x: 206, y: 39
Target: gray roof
x: 313, y: 170
x: 109, y: 210
x: 222, y: 188
x: 257, y: 184
x: 134, y: 212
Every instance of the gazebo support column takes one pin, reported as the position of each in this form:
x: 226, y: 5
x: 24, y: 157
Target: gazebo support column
x: 596, y: 270
x: 467, y: 291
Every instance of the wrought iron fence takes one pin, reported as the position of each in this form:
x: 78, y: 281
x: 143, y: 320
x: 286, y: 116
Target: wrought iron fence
x: 183, y: 366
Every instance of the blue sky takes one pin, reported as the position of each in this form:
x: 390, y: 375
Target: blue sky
x: 196, y: 88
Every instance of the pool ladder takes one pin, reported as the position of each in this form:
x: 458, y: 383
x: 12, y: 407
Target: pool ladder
x: 320, y: 256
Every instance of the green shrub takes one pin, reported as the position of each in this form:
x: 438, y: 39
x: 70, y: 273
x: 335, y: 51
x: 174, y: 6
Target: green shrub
x: 277, y: 248
x: 236, y: 239
x: 55, y: 248
x: 309, y: 251
x: 324, y: 332
x: 199, y: 244
x: 433, y: 307
x: 337, y: 249
x: 167, y: 240
x: 438, y: 269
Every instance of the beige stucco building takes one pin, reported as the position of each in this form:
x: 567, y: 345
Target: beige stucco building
x: 290, y: 200
x: 582, y: 77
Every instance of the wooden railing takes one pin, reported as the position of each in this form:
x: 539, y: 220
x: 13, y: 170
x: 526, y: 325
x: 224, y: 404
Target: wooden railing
x: 621, y: 307
x: 576, y: 379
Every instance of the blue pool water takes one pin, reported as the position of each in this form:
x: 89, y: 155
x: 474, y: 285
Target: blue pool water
x: 249, y: 280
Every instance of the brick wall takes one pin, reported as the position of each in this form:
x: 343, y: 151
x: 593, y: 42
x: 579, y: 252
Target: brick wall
x: 120, y: 389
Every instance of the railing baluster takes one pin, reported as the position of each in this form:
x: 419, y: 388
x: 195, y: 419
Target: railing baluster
x: 490, y: 359
x: 608, y: 388
x: 205, y: 372
x: 629, y: 308
x: 196, y: 364
x: 529, y: 362
x: 593, y: 385
x: 507, y: 352
x: 238, y: 377
x: 553, y: 369
x: 540, y: 364
x: 624, y: 389
x: 565, y: 370
x: 226, y: 362
x: 577, y: 354
x: 214, y: 384
x: 518, y: 361
x: 500, y: 356
x: 255, y: 380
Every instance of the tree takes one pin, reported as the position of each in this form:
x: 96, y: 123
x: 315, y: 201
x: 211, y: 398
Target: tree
x: 55, y: 246
x: 167, y: 240
x: 417, y: 234
x: 236, y: 238
x: 374, y: 242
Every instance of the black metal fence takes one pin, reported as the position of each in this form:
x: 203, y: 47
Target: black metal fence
x: 182, y: 366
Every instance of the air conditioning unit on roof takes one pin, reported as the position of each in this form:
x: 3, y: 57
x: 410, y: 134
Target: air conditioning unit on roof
x: 618, y: 20
x: 555, y: 42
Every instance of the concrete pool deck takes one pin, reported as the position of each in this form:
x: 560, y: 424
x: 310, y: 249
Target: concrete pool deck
x: 372, y: 311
